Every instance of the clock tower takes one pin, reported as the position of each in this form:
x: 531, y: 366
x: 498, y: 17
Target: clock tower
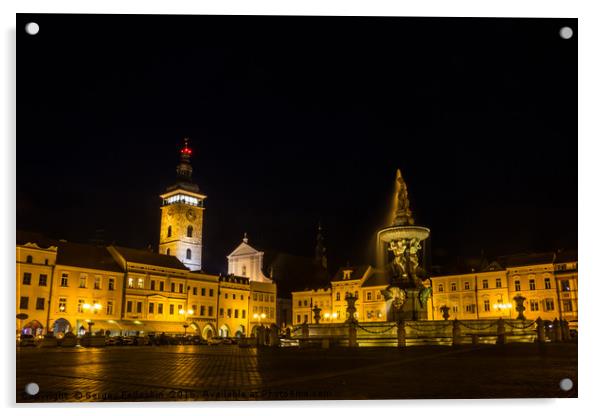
x: 182, y: 216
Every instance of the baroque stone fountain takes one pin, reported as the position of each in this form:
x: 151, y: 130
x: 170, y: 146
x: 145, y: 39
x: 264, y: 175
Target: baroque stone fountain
x: 409, y: 288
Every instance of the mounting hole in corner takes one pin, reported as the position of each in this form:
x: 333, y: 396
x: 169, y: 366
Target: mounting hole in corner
x: 566, y: 32
x: 32, y: 28
x: 32, y: 389
x: 566, y: 384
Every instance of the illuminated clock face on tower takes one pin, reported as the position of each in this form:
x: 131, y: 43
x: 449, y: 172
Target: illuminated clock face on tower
x: 190, y: 214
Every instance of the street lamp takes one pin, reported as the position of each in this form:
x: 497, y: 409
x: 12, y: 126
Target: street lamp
x: 259, y: 317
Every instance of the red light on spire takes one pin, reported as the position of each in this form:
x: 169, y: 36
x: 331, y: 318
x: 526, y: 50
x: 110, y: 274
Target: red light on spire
x: 186, y: 150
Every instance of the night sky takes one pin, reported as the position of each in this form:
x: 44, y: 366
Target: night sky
x: 293, y: 120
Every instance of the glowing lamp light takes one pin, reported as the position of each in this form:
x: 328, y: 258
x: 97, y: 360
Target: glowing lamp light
x: 86, y: 306
x: 255, y: 316
x: 181, y: 311
x: 190, y: 311
x: 262, y: 315
x: 97, y: 306
x: 502, y: 306
x: 334, y: 315
x: 326, y: 315
x: 62, y: 308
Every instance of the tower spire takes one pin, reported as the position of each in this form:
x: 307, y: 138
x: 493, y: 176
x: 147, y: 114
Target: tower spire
x: 184, y: 168
x: 320, y: 250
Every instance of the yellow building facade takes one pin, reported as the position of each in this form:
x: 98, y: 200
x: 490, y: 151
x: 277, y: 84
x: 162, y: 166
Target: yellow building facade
x: 68, y: 287
x: 363, y: 282
x: 35, y: 269
x: 548, y: 282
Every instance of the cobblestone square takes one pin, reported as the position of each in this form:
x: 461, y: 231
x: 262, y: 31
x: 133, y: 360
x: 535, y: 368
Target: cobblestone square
x: 174, y: 373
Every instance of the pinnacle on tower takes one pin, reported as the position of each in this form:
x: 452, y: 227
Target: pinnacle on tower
x: 320, y: 251
x: 184, y: 168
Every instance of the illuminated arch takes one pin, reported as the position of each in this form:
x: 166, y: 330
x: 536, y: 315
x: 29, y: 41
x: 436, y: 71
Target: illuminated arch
x: 61, y: 326
x: 32, y: 328
x: 224, y: 331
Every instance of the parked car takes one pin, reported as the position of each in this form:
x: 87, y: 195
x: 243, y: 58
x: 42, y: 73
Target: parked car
x: 287, y: 342
x: 196, y: 340
x: 142, y: 340
x: 215, y: 341
x: 27, y: 341
x: 227, y: 341
x: 114, y: 341
x: 129, y: 341
x: 573, y: 328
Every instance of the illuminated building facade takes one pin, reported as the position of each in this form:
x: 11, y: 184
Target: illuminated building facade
x: 69, y: 287
x: 548, y: 282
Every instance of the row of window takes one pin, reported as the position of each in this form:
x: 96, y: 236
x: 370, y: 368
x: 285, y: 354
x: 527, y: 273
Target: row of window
x: 261, y: 297
x: 321, y: 303
x: 228, y: 312
x: 188, y: 253
x: 268, y: 310
x: 158, y: 308
x: 82, y: 305
x: 565, y: 285
x: 226, y: 294
x: 534, y: 306
x: 29, y: 259
x: 24, y: 303
x: 83, y: 281
x: 189, y: 231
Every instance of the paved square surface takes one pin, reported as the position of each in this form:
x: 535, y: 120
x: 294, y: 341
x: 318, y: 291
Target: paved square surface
x: 170, y: 373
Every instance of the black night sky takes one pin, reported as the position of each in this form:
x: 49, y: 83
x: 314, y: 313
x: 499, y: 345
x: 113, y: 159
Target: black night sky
x: 297, y: 119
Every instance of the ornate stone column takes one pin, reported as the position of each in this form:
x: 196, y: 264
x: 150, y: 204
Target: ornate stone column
x: 401, y: 333
x: 352, y: 334
x: 520, y: 307
x: 316, y: 312
x: 351, y: 309
x: 556, y: 331
x: 305, y: 330
x: 445, y: 312
x: 541, y: 331
x: 456, y: 333
x: 501, y: 332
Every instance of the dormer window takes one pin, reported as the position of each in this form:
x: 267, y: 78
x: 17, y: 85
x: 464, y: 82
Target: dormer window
x: 347, y: 274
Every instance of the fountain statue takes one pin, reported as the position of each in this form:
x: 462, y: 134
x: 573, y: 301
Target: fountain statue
x: 409, y: 290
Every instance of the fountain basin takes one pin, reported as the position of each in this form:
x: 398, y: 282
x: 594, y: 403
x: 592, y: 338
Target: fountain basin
x: 400, y: 232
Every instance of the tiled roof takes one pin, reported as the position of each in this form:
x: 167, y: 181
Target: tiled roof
x: 519, y: 260
x: 356, y: 272
x: 24, y: 237
x: 377, y: 279
x: 148, y: 257
x: 566, y: 256
x: 86, y: 255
